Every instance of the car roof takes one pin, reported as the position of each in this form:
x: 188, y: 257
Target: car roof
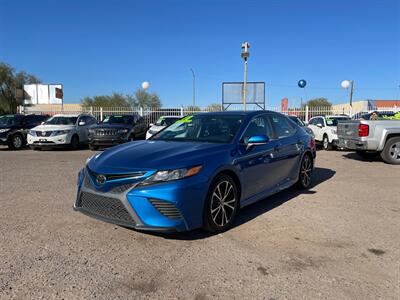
x: 68, y: 115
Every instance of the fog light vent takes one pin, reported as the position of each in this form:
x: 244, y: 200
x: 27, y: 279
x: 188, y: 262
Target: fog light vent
x: 167, y: 209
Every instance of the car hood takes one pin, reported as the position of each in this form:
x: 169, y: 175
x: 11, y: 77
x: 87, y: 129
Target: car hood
x: 154, y: 155
x: 53, y: 127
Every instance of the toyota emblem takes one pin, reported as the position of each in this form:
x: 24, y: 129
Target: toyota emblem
x: 101, y: 179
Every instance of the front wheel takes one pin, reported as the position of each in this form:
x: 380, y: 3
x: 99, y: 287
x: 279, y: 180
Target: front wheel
x: 221, y: 204
x: 74, y: 142
x: 325, y: 143
x: 16, y: 142
x: 391, y: 151
x: 305, y: 174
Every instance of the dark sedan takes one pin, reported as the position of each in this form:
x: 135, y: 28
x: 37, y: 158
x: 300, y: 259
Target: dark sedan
x: 116, y: 129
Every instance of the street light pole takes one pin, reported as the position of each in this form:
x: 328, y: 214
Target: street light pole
x: 349, y: 84
x: 194, y: 87
x: 245, y: 55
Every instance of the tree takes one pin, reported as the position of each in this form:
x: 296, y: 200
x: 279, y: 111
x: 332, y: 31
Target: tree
x: 113, y: 100
x: 319, y: 102
x: 10, y: 82
x: 191, y: 109
x: 214, y: 107
x: 145, y: 100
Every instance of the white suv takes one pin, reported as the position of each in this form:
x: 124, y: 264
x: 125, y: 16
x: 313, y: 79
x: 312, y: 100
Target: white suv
x: 325, y: 129
x: 61, y: 130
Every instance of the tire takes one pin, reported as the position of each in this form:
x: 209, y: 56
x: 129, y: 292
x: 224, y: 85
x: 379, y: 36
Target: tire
x: 74, y: 142
x: 219, y: 216
x: 93, y: 147
x: 391, y: 151
x: 305, y: 173
x: 325, y: 143
x: 367, y: 154
x: 16, y: 142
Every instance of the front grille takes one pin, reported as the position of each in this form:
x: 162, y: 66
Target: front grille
x: 118, y: 176
x: 43, y: 133
x: 106, y: 132
x: 121, y: 188
x: 104, y: 207
x: 167, y: 209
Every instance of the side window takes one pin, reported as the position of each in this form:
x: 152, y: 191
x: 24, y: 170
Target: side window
x: 321, y: 121
x: 283, y: 127
x: 258, y: 126
x: 313, y: 122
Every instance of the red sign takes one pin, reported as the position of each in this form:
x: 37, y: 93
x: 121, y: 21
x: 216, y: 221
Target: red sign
x: 284, y: 105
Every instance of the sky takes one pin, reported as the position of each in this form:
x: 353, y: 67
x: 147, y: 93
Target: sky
x: 100, y: 47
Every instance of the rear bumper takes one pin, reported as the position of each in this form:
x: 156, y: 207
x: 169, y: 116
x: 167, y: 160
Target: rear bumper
x: 353, y: 144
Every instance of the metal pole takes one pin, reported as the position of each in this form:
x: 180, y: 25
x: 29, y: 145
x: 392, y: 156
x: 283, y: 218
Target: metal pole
x: 351, y: 97
x: 194, y: 87
x: 244, y: 84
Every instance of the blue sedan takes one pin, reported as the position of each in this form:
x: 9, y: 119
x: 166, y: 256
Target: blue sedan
x: 197, y: 172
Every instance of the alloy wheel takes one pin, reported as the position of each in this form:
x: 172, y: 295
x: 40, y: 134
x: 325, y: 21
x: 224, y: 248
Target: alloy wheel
x: 306, y: 171
x: 223, y: 203
x: 395, y: 151
x: 17, y: 142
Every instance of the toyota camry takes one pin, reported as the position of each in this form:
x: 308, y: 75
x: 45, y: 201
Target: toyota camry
x: 198, y: 172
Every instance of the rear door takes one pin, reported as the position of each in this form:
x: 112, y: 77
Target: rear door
x: 290, y: 148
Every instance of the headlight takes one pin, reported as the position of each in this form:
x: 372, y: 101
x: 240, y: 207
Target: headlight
x: 91, y: 131
x: 4, y: 130
x: 169, y: 175
x: 122, y: 130
x: 60, y: 132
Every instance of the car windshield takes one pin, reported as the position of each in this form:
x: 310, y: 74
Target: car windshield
x: 118, y: 120
x: 297, y: 121
x: 333, y: 121
x: 59, y: 120
x: 202, y: 128
x: 166, y: 121
x: 7, y: 120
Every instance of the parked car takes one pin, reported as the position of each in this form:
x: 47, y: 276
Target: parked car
x: 116, y: 129
x: 299, y: 122
x: 197, y: 172
x: 367, y: 115
x: 325, y: 129
x: 14, y: 129
x: 161, y: 123
x: 372, y: 138
x: 61, y: 130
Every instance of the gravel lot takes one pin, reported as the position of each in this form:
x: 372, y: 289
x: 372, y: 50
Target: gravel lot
x: 339, y: 240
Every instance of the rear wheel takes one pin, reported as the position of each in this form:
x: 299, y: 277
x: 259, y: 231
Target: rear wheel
x: 325, y: 143
x: 74, y: 142
x: 16, y: 142
x: 221, y: 204
x: 305, y: 174
x: 391, y: 151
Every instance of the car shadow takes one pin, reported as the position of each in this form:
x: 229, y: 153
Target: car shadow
x: 252, y: 211
x: 355, y: 156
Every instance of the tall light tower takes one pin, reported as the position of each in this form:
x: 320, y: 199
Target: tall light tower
x: 194, y: 87
x: 346, y: 84
x: 245, y: 55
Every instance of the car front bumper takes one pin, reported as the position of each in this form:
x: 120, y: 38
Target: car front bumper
x: 107, y: 141
x: 49, y: 141
x: 171, y: 206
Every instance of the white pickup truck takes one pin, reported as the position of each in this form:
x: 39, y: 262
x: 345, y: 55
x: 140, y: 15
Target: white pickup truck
x: 369, y: 138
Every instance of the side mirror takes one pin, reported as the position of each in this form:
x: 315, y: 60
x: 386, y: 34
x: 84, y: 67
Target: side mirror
x: 151, y: 124
x: 319, y: 125
x: 81, y: 123
x: 257, y: 140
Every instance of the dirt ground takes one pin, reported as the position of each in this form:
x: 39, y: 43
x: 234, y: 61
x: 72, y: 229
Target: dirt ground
x: 339, y: 240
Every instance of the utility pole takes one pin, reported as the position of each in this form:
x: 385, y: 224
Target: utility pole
x: 194, y: 87
x: 245, y: 55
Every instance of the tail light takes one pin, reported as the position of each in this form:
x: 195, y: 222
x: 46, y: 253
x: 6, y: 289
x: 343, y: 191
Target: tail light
x: 363, y: 130
x: 312, y: 143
